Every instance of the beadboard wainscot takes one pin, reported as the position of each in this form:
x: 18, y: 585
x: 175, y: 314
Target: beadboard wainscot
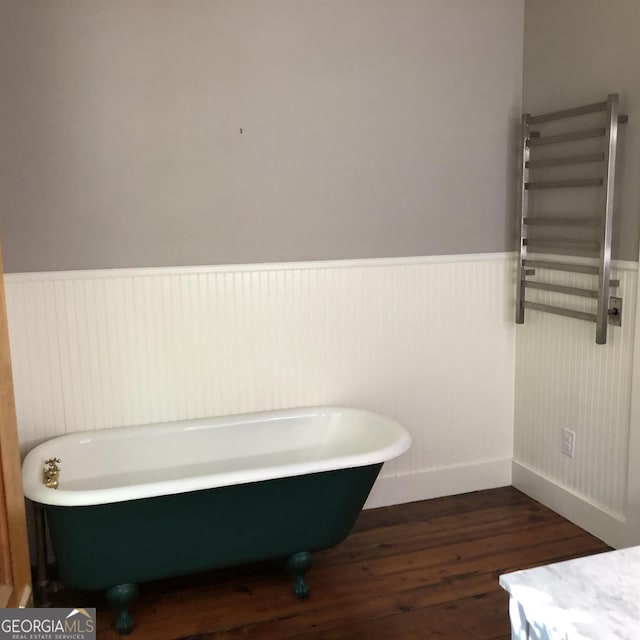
x: 565, y: 380
x: 428, y: 341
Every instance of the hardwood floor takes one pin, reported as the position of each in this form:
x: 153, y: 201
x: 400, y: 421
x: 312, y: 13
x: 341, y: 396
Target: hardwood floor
x: 416, y: 571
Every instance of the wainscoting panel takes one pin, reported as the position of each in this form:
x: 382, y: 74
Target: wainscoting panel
x: 563, y: 379
x: 429, y: 341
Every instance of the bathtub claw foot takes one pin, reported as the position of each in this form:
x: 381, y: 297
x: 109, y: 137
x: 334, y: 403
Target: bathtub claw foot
x: 301, y: 588
x: 121, y: 597
x: 297, y: 565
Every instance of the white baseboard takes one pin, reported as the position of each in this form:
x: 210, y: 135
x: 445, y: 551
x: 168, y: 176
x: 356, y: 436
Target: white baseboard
x: 434, y: 483
x: 609, y: 527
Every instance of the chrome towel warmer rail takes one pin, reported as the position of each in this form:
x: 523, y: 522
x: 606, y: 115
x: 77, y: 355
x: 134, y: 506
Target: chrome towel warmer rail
x: 606, y: 311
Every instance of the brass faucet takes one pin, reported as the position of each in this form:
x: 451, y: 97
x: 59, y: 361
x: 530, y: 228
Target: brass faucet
x: 51, y: 473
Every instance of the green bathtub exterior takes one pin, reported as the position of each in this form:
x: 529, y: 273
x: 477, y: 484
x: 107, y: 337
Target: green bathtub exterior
x: 115, y: 546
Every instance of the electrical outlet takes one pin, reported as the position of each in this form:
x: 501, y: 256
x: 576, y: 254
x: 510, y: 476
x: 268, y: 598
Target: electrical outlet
x: 569, y: 442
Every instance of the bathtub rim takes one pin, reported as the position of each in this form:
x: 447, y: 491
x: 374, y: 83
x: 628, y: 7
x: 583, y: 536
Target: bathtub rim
x: 36, y: 491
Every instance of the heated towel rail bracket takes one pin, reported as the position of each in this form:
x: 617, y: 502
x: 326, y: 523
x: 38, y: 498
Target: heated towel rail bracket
x: 615, y: 311
x: 606, y: 309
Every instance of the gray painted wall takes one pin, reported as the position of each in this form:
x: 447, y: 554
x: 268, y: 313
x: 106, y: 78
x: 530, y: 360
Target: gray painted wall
x: 576, y: 52
x: 369, y: 128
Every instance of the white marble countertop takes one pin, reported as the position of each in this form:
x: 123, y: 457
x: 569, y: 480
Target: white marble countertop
x: 591, y: 598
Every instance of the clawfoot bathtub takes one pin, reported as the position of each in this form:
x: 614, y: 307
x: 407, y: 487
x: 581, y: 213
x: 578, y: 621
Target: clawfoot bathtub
x: 140, y: 503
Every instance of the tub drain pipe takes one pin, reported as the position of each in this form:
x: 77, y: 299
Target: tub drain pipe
x: 42, y: 574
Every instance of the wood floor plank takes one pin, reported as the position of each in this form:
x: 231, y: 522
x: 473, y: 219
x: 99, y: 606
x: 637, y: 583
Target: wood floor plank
x: 442, y: 532
x: 479, y: 617
x: 439, y: 531
x: 335, y: 605
x: 422, y: 570
x: 426, y: 510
